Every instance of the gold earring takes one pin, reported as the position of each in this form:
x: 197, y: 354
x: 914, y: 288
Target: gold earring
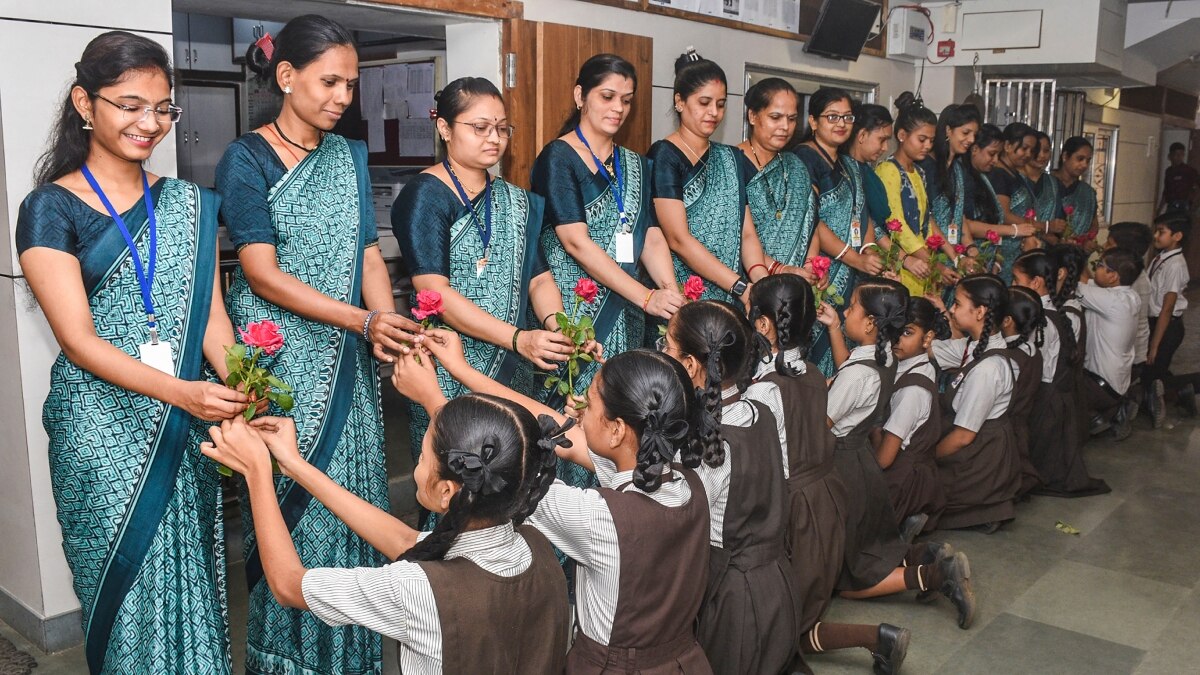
x: 87, y: 124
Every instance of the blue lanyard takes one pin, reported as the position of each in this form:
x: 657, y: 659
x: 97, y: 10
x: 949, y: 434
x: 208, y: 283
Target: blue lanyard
x: 485, y: 229
x: 619, y: 187
x: 145, y: 277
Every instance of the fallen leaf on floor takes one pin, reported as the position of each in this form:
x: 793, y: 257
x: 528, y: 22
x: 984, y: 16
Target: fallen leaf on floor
x: 1065, y: 528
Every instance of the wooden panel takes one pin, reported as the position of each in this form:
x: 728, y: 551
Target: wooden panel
x: 496, y: 9
x: 520, y: 38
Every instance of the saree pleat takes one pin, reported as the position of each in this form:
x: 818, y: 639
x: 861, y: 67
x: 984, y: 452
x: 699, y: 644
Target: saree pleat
x: 713, y: 197
x: 783, y: 208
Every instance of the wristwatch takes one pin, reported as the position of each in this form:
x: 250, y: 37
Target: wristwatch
x: 738, y: 288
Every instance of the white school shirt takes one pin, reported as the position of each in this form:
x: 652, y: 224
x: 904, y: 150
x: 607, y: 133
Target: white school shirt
x: 1112, y: 319
x: 579, y: 523
x: 1051, y: 343
x: 740, y: 413
x: 1027, y: 346
x: 1168, y: 273
x: 985, y: 393
x: 1142, y: 341
x: 1072, y: 318
x: 910, y: 406
x: 854, y: 391
x: 396, y: 600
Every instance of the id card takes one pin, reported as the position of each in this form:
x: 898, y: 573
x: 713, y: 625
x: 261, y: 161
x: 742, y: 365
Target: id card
x: 158, y: 356
x: 624, y: 244
x: 856, y: 235
x: 952, y: 234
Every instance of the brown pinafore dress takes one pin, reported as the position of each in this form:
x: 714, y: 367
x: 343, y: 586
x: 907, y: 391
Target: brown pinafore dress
x: 981, y: 480
x: 816, y: 542
x: 912, y: 479
x: 873, y: 544
x: 1083, y: 421
x: 748, y: 620
x: 664, y: 552
x: 495, y: 624
x: 1053, y: 429
x: 1029, y: 379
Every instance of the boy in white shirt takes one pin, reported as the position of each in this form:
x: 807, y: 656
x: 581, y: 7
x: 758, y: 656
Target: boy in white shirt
x: 1169, y: 277
x: 1111, y: 309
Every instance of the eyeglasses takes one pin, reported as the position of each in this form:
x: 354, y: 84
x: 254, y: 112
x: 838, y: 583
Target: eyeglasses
x: 483, y: 130
x: 1097, y: 264
x: 171, y: 113
x: 661, y: 343
x: 833, y: 118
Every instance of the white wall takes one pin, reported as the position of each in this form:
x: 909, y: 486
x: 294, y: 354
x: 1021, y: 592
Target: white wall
x: 732, y: 49
x: 1137, y: 182
x: 33, y: 571
x: 473, y: 49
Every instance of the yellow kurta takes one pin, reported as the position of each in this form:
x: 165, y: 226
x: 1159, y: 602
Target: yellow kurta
x: 910, y: 241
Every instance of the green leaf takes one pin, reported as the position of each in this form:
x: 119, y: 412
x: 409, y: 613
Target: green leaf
x: 563, y: 388
x: 579, y: 337
x: 586, y: 357
x: 279, y: 398
x: 562, y: 321
x: 1066, y: 529
x: 581, y: 405
x: 572, y: 367
x: 662, y: 329
x: 277, y: 383
x: 234, y: 379
x: 585, y: 322
x: 224, y: 470
x: 249, y: 414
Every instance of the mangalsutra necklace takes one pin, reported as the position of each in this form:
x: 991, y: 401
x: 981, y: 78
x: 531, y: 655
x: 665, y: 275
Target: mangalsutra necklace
x: 767, y: 184
x: 320, y: 137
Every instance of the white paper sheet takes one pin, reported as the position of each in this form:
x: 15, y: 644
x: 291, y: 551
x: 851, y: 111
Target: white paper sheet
x: 416, y: 138
x: 376, y: 141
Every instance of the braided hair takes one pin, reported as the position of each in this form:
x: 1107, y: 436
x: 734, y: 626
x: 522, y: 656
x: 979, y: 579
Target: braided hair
x: 720, y: 337
x: 924, y: 315
x: 1073, y: 260
x: 651, y: 393
x: 989, y: 292
x: 1041, y: 264
x: 1029, y: 318
x: 787, y: 301
x: 503, y: 458
x: 886, y: 301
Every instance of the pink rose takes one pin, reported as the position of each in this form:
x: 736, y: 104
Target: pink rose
x: 993, y: 237
x: 586, y: 290
x: 693, y: 288
x: 820, y: 266
x: 1069, y: 210
x: 960, y: 249
x: 429, y: 304
x: 1030, y: 214
x: 894, y: 225
x: 264, y: 335
x: 934, y: 242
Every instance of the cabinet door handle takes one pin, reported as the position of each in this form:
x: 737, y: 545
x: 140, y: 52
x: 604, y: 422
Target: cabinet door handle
x: 185, y: 136
x: 196, y: 137
x: 195, y: 56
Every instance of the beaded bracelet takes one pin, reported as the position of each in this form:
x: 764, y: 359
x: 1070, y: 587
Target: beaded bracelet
x: 366, y: 332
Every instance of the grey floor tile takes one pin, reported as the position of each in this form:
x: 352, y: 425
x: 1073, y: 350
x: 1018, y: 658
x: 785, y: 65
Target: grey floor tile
x: 1109, y: 605
x: 1013, y: 645
x: 1176, y: 650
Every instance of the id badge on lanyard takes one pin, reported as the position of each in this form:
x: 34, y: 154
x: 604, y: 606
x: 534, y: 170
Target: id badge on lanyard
x: 856, y: 235
x: 156, y: 353
x: 952, y: 234
x: 623, y: 239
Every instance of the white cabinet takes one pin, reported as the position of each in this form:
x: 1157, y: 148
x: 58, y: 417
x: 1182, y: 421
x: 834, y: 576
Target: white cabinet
x: 208, y: 125
x: 203, y: 42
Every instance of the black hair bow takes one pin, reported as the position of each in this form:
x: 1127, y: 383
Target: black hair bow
x: 475, y: 470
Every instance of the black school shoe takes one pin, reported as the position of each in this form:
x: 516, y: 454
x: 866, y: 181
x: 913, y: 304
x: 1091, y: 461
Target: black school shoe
x: 912, y: 526
x: 1123, y: 423
x: 935, y: 552
x: 892, y: 648
x: 957, y: 587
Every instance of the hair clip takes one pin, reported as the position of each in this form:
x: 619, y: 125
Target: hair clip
x: 267, y: 44
x: 691, y: 54
x: 433, y: 113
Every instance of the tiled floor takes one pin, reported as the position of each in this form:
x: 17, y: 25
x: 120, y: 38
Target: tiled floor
x: 1123, y: 596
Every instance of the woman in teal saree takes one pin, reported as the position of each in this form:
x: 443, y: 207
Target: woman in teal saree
x: 140, y: 509
x: 598, y: 222
x: 297, y: 202
x: 1014, y: 191
x: 1047, y: 192
x: 1078, y: 197
x: 700, y: 190
x: 485, y: 259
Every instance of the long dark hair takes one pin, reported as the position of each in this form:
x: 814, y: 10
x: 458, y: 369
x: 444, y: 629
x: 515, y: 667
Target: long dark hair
x: 953, y: 116
x: 651, y: 392
x: 106, y: 60
x: 987, y: 290
x: 984, y: 205
x: 819, y: 101
x: 720, y: 337
x: 455, y: 97
x: 1041, y: 264
x: 591, y: 74
x: 787, y: 301
x: 924, y: 315
x: 886, y: 301
x: 1071, y: 146
x: 300, y: 42
x: 692, y: 72
x: 1072, y: 259
x: 502, y: 456
x: 1028, y: 315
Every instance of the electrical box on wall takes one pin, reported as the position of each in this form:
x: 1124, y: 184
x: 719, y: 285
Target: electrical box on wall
x: 908, y: 35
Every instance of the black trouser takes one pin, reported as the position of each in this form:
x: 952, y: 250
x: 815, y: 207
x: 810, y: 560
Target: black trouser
x: 1171, y: 339
x: 1102, y: 399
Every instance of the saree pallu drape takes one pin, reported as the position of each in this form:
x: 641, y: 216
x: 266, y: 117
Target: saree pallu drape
x: 714, y: 196
x: 318, y: 208
x: 1047, y: 198
x: 140, y: 508
x: 1081, y: 197
x: 500, y: 289
x: 783, y: 208
x: 619, y: 323
x: 946, y: 204
x: 839, y: 208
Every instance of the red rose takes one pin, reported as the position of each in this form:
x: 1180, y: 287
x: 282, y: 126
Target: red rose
x: 693, y: 288
x: 894, y: 225
x: 1030, y: 214
x: 993, y: 237
x: 429, y: 304
x: 586, y: 290
x: 935, y: 241
x: 960, y: 248
x: 264, y: 335
x: 820, y: 266
x: 1068, y: 209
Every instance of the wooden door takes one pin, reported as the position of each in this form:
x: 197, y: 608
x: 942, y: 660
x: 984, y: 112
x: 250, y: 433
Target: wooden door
x: 548, y: 57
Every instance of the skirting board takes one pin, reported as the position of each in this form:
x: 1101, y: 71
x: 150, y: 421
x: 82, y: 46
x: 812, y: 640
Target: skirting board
x: 52, y: 634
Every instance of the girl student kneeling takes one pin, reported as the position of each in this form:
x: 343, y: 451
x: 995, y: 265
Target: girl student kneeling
x: 977, y: 457
x: 1054, y: 434
x: 781, y: 308
x: 481, y: 592
x: 641, y: 538
x: 878, y: 561
x: 904, y: 447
